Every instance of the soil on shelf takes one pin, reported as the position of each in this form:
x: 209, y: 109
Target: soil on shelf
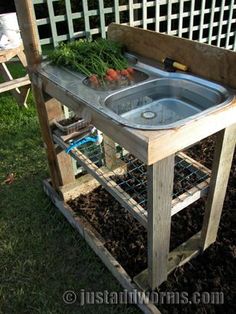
x: 69, y: 121
x: 126, y: 239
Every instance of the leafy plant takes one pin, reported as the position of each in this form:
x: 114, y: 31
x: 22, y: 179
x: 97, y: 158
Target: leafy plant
x: 100, y: 59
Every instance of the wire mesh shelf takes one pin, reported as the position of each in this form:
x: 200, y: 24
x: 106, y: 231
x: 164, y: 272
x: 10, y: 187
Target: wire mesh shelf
x: 126, y: 176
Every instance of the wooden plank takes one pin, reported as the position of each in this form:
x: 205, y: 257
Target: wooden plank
x: 102, y: 18
x: 224, y: 150
x: 194, y: 162
x: 191, y: 19
x: 86, y: 18
x: 66, y: 169
x: 54, y: 111
x: 200, y: 38
x: 109, y: 151
x: 222, y: 11
x: 211, y: 21
x: 20, y: 95
x: 144, y: 15
x: 231, y: 10
x: 121, y: 196
x: 21, y: 56
x: 87, y: 183
x: 181, y: 11
x: 82, y: 186
x: 177, y: 258
x: 14, y: 83
x: 59, y: 166
x: 204, y: 60
x: 96, y: 242
x: 8, y: 54
x: 196, y: 192
x: 157, y: 15
x: 52, y: 22
x: 189, y: 197
x: 29, y: 32
x: 164, y: 143
x: 69, y: 19
x: 117, y: 13
x: 160, y: 177
x: 131, y: 12
x: 169, y: 9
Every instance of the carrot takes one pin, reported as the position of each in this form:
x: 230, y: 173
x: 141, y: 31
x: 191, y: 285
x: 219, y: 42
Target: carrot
x: 108, y: 78
x: 111, y: 72
x: 130, y: 70
x: 124, y: 72
x: 129, y: 76
x: 95, y: 85
x: 114, y: 76
x: 94, y: 81
x: 93, y: 78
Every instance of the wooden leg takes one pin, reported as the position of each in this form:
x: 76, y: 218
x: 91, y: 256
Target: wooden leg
x: 60, y: 165
x: 21, y: 94
x: 22, y: 58
x: 110, y: 152
x: 223, y: 156
x: 160, y: 187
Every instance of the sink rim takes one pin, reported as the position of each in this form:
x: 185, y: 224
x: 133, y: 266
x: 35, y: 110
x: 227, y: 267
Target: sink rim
x: 229, y: 96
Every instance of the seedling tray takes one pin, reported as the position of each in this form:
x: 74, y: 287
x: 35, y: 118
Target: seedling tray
x: 71, y: 125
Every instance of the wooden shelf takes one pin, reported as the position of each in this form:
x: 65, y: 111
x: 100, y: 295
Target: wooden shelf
x: 13, y: 84
x: 104, y: 176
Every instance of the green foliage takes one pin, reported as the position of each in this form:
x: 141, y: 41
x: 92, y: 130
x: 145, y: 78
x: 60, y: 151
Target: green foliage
x: 90, y: 57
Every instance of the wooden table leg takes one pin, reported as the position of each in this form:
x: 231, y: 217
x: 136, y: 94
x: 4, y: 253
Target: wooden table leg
x: 60, y: 165
x: 110, y: 152
x: 160, y: 188
x: 223, y: 156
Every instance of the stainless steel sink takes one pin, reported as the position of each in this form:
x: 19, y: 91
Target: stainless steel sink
x: 158, y: 100
x: 165, y: 102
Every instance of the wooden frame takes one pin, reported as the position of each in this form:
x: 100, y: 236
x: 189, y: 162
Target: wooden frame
x: 19, y: 87
x: 155, y: 148
x: 224, y: 150
x: 160, y: 178
x: 102, y: 177
x: 155, y: 14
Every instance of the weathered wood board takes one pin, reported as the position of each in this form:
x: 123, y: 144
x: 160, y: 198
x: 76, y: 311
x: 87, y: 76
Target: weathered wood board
x: 204, y: 60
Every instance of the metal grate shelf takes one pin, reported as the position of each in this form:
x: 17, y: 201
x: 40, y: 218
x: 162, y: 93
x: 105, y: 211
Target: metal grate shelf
x: 126, y: 178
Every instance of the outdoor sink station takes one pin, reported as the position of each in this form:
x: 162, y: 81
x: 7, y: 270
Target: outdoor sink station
x: 156, y: 99
x: 145, y: 125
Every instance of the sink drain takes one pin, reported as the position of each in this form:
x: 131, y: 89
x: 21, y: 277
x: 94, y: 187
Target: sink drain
x: 148, y: 115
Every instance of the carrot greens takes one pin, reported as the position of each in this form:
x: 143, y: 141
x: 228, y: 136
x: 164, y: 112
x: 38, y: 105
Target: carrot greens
x: 90, y: 57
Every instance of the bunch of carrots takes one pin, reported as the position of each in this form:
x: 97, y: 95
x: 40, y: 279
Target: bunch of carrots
x: 112, y: 77
x: 102, y: 61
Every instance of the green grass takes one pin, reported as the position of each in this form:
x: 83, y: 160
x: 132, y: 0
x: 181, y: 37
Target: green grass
x: 41, y: 255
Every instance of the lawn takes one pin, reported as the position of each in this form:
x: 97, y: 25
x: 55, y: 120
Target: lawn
x: 41, y: 255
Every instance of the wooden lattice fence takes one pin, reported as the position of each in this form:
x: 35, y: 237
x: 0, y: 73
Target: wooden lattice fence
x: 209, y: 21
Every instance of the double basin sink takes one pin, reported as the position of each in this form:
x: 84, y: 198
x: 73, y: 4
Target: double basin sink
x: 157, y: 100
